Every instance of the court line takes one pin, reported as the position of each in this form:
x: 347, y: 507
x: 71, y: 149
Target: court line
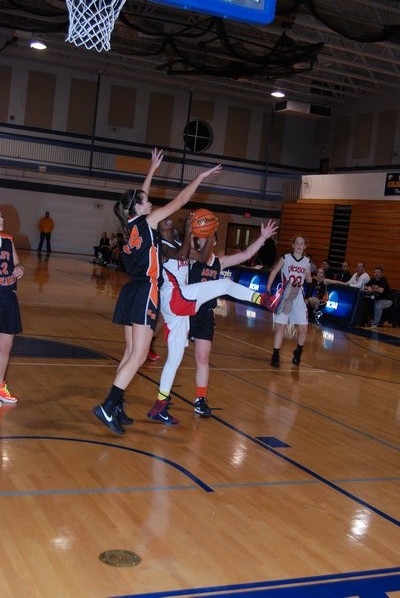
x: 180, y: 468
x: 274, y: 584
x: 74, y: 492
x: 323, y: 415
x: 294, y: 463
x: 153, y: 367
x: 77, y: 492
x: 304, y: 363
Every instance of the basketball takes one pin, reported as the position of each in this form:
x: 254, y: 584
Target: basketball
x: 205, y: 223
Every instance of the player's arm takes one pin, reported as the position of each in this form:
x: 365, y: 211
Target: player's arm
x: 19, y: 269
x: 332, y: 281
x: 203, y: 252
x: 181, y: 199
x: 156, y: 159
x: 272, y: 275
x: 267, y: 231
x: 181, y: 252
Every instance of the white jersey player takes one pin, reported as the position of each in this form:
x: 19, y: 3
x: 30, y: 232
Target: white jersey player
x: 295, y: 269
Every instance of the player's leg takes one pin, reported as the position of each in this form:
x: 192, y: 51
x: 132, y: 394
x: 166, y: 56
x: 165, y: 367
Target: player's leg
x: 301, y: 339
x: 122, y: 417
x: 178, y: 328
x: 278, y: 338
x: 299, y: 316
x: 107, y: 412
x: 201, y: 292
x: 202, y: 349
x: 6, y: 343
x: 153, y: 355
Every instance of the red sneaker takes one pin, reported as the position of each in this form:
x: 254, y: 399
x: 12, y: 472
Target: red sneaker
x: 5, y: 395
x: 159, y: 413
x: 153, y: 356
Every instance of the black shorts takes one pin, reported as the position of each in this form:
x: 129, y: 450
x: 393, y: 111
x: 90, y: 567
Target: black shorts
x: 202, y: 325
x: 138, y: 303
x: 10, y: 317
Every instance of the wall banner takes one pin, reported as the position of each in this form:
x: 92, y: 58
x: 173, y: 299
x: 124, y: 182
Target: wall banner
x: 392, y: 185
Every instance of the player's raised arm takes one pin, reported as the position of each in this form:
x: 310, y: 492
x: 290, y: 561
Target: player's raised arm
x: 267, y: 231
x: 156, y: 159
x: 181, y: 199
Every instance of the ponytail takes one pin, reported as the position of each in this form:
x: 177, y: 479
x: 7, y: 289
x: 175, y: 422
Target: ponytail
x: 125, y: 208
x: 120, y: 213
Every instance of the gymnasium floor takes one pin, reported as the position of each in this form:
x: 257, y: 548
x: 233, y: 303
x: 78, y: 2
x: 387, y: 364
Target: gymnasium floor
x: 291, y: 489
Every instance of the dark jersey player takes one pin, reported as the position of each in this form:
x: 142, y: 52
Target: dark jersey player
x: 11, y: 270
x: 202, y: 324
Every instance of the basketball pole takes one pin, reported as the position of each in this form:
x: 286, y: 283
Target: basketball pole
x: 184, y: 141
x: 96, y: 107
x: 267, y: 154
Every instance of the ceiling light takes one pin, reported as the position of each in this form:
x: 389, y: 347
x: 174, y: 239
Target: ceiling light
x: 37, y: 45
x: 278, y: 94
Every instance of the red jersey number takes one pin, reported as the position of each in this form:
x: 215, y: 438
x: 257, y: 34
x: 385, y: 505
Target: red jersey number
x: 296, y: 281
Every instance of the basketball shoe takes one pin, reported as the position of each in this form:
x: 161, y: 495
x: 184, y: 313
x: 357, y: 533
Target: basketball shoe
x: 109, y: 419
x: 153, y: 356
x: 122, y: 417
x: 201, y: 407
x: 275, y: 359
x: 159, y: 413
x: 297, y: 356
x: 6, y: 396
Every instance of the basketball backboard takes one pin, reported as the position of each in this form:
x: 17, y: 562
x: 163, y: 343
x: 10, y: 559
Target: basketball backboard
x: 246, y: 11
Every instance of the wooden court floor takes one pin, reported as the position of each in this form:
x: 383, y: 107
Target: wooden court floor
x: 291, y: 489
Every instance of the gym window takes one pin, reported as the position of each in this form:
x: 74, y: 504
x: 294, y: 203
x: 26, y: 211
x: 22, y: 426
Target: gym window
x: 198, y: 136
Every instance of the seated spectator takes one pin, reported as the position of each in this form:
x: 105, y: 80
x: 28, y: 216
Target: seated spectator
x: 254, y: 262
x: 313, y: 267
x: 316, y: 295
x: 102, y: 250
x: 344, y: 273
x: 116, y: 255
x: 329, y: 273
x: 359, y: 279
x: 113, y: 242
x: 379, y: 286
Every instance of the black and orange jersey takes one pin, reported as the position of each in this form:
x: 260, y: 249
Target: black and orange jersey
x: 141, y: 255
x: 7, y: 279
x: 201, y: 272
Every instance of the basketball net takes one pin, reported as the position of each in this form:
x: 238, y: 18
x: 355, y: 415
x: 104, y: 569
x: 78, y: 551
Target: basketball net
x: 91, y: 22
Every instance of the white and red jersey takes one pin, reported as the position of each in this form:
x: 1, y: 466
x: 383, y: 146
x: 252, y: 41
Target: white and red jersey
x: 174, y: 270
x: 295, y: 270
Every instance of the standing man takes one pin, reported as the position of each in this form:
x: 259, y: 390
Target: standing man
x: 46, y: 227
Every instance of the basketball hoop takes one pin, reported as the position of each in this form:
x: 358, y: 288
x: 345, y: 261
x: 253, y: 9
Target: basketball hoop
x: 91, y: 22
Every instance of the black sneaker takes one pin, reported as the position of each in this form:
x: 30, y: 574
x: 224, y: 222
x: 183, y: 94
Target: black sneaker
x: 159, y: 413
x: 201, y: 407
x: 109, y: 419
x: 122, y: 417
x: 275, y: 360
x: 296, y: 357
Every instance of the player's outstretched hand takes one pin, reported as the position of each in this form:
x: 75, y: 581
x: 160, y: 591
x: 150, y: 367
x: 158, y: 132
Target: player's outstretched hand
x: 188, y: 222
x: 269, y: 229
x: 156, y: 157
x: 215, y: 170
